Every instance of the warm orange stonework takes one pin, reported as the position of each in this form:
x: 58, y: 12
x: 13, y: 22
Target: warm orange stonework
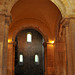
x: 53, y: 19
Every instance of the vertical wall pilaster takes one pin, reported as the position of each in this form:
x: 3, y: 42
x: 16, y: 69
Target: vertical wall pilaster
x: 56, y: 60
x: 3, y: 43
x: 45, y: 51
x: 5, y: 50
x: 60, y: 52
x: 2, y: 21
x: 69, y: 52
x: 59, y: 58
x: 66, y: 24
x: 10, y: 58
x: 72, y: 41
x: 50, y: 59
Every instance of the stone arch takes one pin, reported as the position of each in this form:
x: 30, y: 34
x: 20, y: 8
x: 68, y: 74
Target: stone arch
x: 29, y: 27
x: 29, y: 23
x: 21, y: 25
x: 60, y: 5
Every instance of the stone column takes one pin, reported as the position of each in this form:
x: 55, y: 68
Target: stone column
x: 59, y: 58
x: 56, y: 59
x: 3, y: 43
x: 49, y: 58
x: 2, y: 21
x: 11, y: 58
x: 72, y: 41
x: 45, y: 52
x: 69, y: 60
x: 60, y: 52
x: 5, y: 50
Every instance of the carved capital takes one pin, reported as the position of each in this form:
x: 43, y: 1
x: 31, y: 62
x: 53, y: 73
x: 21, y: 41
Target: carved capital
x: 3, y: 12
x: 8, y: 19
x: 63, y: 23
x: 7, y: 16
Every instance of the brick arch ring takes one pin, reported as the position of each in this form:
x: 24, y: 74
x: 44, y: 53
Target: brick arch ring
x: 31, y: 24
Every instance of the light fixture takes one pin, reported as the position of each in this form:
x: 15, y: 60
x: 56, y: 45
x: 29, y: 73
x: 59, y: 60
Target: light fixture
x: 9, y: 41
x: 52, y: 42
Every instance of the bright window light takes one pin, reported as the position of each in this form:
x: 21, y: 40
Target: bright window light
x: 36, y: 58
x: 29, y: 37
x: 21, y: 58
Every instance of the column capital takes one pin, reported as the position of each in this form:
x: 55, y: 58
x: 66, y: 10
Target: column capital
x: 8, y: 19
x: 3, y: 12
x: 7, y: 16
x: 64, y: 22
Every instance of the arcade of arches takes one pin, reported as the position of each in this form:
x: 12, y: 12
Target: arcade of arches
x: 52, y: 26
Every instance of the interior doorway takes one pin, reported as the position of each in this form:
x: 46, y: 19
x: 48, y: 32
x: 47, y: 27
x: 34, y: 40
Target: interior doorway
x: 29, y: 53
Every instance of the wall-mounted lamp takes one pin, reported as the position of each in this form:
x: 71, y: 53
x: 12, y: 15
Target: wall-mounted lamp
x: 9, y: 41
x: 51, y: 42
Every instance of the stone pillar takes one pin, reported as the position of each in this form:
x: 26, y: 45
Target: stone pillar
x: 68, y: 38
x: 72, y: 41
x: 59, y: 58
x: 59, y: 53
x: 5, y: 51
x: 11, y: 58
x: 69, y: 52
x: 45, y: 52
x: 2, y: 23
x: 56, y: 59
x: 3, y: 43
x: 50, y: 59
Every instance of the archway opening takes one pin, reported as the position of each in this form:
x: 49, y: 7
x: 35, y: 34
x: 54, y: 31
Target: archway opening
x: 42, y: 15
x: 29, y: 53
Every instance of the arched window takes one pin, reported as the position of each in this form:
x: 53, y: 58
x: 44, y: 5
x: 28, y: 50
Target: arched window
x: 29, y: 37
x: 21, y: 58
x: 36, y: 58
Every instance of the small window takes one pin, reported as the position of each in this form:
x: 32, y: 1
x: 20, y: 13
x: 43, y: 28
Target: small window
x: 21, y: 58
x: 36, y: 58
x: 29, y: 37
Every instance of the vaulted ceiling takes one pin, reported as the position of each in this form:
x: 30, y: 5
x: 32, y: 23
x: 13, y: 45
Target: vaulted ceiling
x: 43, y: 10
x: 40, y: 10
x: 67, y: 7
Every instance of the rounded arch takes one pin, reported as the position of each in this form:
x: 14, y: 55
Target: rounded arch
x: 16, y: 32
x: 26, y: 24
x: 59, y: 4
